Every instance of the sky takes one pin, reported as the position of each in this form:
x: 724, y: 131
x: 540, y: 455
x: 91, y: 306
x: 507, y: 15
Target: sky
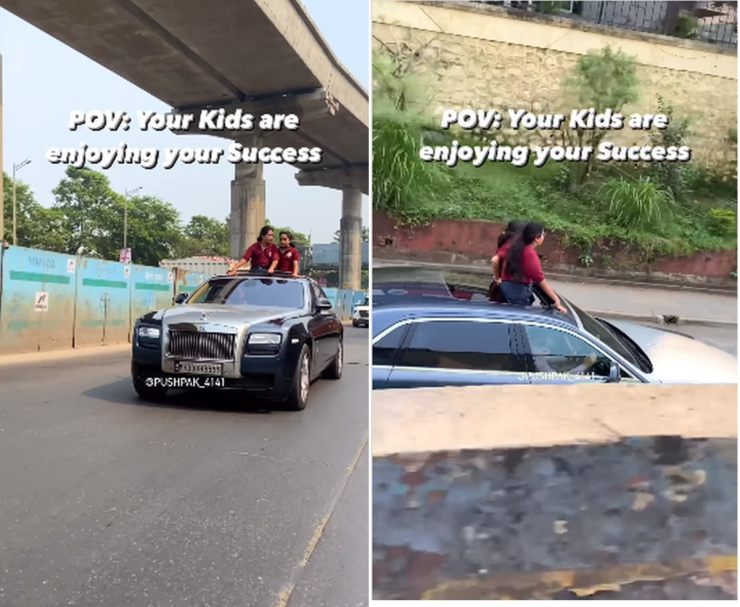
x: 44, y: 80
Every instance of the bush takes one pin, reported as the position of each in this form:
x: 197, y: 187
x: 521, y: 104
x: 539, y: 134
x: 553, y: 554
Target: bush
x: 686, y: 27
x: 401, y: 180
x: 602, y: 79
x: 639, y: 205
x: 723, y: 222
x: 675, y: 176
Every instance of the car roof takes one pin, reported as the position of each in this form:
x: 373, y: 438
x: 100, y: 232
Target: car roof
x: 276, y: 275
x: 425, y: 307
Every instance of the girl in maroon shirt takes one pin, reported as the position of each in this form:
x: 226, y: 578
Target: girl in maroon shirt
x: 262, y: 255
x: 521, y: 268
x: 288, y: 255
x: 513, y: 229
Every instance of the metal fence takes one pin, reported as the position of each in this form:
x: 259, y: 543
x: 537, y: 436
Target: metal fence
x: 713, y: 22
x: 51, y: 300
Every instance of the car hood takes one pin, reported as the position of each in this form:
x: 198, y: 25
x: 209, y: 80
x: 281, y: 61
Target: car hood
x: 223, y: 314
x: 678, y: 359
x: 363, y: 308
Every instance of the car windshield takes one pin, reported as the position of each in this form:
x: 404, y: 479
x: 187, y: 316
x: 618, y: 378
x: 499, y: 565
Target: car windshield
x: 365, y: 302
x: 618, y: 342
x: 253, y: 292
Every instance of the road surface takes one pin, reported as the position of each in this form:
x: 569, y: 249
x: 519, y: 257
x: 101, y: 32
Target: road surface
x: 203, y: 501
x: 724, y: 338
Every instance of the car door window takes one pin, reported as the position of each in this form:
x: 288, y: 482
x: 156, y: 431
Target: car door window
x: 385, y: 348
x: 466, y: 345
x: 555, y: 351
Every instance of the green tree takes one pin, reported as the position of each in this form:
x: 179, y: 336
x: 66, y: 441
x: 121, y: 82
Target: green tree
x: 205, y: 236
x: 401, y: 181
x: 37, y: 226
x: 92, y: 214
x: 154, y: 230
x: 602, y: 79
x: 89, y: 208
x: 672, y: 175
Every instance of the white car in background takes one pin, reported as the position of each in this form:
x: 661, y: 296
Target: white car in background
x: 361, y: 314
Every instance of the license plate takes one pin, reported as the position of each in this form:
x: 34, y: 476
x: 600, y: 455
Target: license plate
x: 192, y: 368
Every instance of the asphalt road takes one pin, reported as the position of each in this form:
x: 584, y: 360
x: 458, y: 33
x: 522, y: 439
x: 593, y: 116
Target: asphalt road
x: 205, y: 500
x: 724, y: 338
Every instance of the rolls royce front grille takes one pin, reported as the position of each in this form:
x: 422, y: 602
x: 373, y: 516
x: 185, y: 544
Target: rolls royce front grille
x: 208, y: 346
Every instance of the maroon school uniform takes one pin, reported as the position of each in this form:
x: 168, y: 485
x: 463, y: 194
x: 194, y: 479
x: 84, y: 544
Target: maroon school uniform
x: 259, y: 257
x: 530, y: 265
x: 287, y: 258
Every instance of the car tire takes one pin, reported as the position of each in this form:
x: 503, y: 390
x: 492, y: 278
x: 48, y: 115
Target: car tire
x: 355, y: 323
x: 151, y: 393
x: 334, y: 370
x: 298, y: 397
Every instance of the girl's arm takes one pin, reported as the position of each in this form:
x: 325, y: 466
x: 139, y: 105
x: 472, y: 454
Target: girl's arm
x: 495, y: 267
x: 548, y: 290
x: 236, y: 266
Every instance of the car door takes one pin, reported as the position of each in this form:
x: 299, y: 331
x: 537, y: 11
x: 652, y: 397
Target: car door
x: 333, y: 328
x: 317, y: 327
x: 458, y: 352
x: 559, y: 356
x: 385, y: 349
x: 324, y: 328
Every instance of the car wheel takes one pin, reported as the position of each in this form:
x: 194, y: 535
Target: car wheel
x: 334, y: 370
x: 145, y: 392
x: 298, y: 397
x: 355, y: 323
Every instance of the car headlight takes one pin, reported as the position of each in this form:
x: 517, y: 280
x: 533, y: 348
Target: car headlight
x: 262, y: 339
x: 149, y: 332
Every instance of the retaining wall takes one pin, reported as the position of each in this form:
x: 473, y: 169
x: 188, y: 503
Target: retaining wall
x: 549, y: 492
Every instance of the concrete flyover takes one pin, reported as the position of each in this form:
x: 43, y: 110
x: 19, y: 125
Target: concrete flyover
x: 260, y: 56
x: 532, y: 492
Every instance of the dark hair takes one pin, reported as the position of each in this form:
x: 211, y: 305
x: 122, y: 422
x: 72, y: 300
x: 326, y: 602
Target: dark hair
x: 263, y: 232
x: 528, y: 235
x: 289, y: 235
x: 512, y: 229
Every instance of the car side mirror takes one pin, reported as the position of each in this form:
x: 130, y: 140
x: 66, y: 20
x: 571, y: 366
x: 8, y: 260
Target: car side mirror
x: 180, y: 299
x: 615, y: 374
x: 322, y: 303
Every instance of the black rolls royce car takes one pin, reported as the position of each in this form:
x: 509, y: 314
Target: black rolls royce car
x: 270, y: 336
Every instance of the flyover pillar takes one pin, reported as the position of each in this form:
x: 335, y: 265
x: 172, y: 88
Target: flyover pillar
x: 247, y: 207
x: 350, y: 239
x: 353, y: 181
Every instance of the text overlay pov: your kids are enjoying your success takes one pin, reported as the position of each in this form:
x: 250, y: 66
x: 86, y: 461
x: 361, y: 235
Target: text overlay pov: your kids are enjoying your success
x: 207, y: 121
x: 577, y: 122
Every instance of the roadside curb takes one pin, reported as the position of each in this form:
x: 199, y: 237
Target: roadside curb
x: 665, y: 319
x: 84, y: 352
x: 49, y: 355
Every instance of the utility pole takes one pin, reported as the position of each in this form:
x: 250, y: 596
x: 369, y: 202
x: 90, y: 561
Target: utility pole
x: 126, y: 195
x: 16, y: 167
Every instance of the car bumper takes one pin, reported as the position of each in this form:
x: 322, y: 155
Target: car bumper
x: 260, y: 374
